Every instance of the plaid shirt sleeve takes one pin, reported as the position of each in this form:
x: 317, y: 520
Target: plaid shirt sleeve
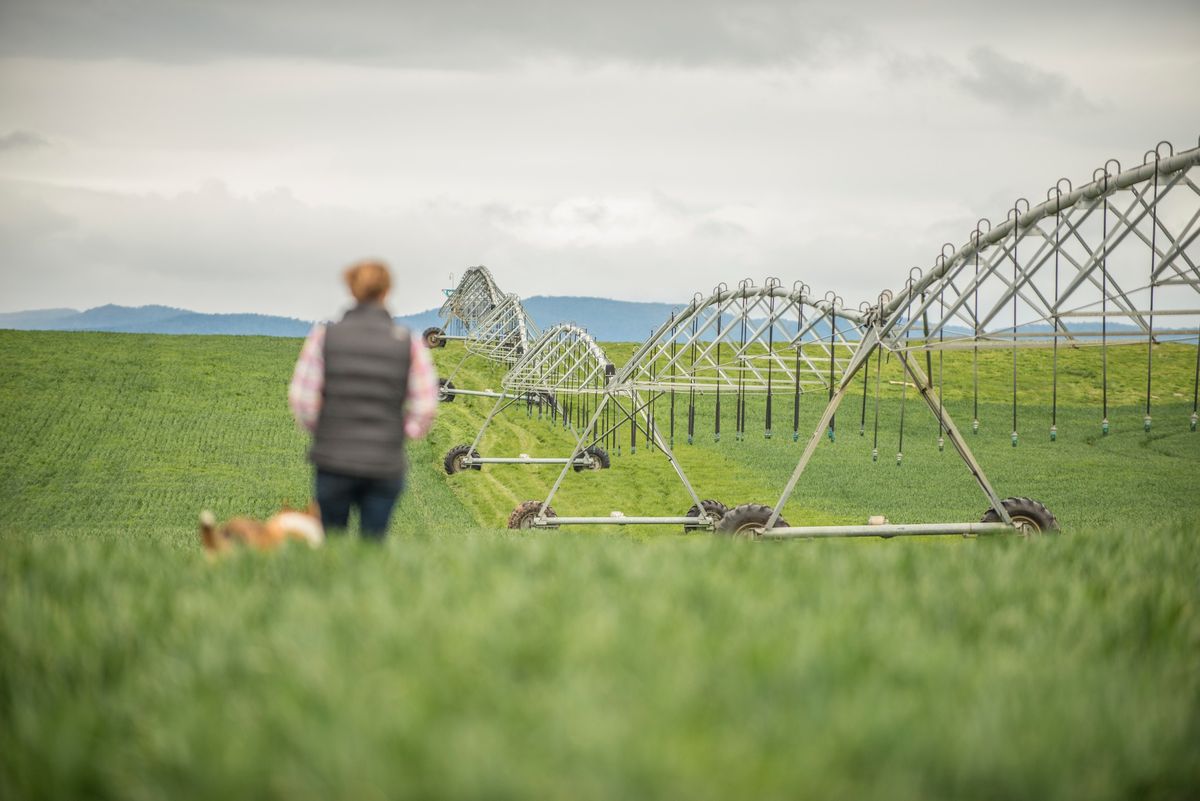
x: 308, y: 380
x: 422, y: 392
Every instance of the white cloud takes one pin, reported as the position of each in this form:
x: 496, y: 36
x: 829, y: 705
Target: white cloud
x: 571, y: 160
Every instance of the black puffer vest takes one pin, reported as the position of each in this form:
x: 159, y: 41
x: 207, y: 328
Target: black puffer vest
x: 360, y: 431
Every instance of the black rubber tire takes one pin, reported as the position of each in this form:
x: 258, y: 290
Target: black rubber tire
x: 740, y: 521
x: 600, y: 460
x: 454, y: 456
x: 523, y: 516
x: 711, y: 508
x: 434, y: 337
x: 1031, y: 517
x: 445, y: 387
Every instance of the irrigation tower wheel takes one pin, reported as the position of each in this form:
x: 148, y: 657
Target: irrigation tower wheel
x: 747, y: 519
x: 455, y: 461
x: 1029, y: 516
x: 445, y: 390
x: 600, y: 460
x: 434, y: 337
x: 714, y: 509
x: 523, y: 516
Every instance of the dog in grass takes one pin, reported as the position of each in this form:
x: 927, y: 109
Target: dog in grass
x: 268, y: 535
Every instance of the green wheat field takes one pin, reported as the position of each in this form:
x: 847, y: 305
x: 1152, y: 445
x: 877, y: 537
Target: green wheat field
x: 463, y: 660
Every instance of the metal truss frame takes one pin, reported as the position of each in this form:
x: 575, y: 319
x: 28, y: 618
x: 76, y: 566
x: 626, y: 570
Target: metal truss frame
x: 749, y: 339
x: 1132, y: 198
x: 475, y: 296
x: 564, y: 361
x: 1049, y: 303
x: 1156, y: 204
x: 766, y: 330
x: 504, y: 333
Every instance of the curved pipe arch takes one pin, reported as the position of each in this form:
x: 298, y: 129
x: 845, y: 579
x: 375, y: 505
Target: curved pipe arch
x: 565, y: 359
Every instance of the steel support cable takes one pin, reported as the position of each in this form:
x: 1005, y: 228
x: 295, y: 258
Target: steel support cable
x: 904, y: 378
x: 770, y: 365
x: 1196, y: 387
x: 1057, y: 327
x: 674, y: 345
x: 553, y: 400
x: 878, y: 374
x: 740, y: 407
x: 589, y: 405
x: 832, y: 351
x: 609, y: 418
x: 1016, y: 212
x: 607, y: 413
x: 799, y: 355
x: 650, y: 418
x: 925, y: 338
x: 565, y: 412
x: 691, y: 419
x: 941, y: 441
x: 928, y: 354
x: 1104, y: 296
x: 1104, y: 427
x: 975, y: 339
x: 717, y: 416
x: 633, y: 427
x: 1150, y: 327
x: 862, y: 420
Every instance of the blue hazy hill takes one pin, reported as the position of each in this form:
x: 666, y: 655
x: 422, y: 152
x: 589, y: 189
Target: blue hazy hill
x: 607, y: 320
x: 153, y: 320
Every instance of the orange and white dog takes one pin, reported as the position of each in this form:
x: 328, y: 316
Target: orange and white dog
x: 287, y: 525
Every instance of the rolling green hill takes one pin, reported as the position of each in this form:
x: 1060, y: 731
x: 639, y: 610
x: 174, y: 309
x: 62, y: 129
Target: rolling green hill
x: 460, y: 660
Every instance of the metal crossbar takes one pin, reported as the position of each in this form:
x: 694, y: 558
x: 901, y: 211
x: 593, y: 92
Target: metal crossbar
x: 564, y: 360
x: 749, y: 339
x: 1062, y: 269
x: 475, y: 296
x: 564, y: 372
x: 503, y: 334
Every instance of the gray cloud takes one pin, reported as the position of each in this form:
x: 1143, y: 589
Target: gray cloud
x: 641, y: 150
x: 453, y: 33
x: 214, y: 250
x: 997, y: 79
x: 479, y: 33
x: 22, y: 140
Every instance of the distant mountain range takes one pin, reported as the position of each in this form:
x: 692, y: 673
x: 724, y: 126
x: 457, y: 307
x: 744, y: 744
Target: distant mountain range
x: 153, y: 320
x: 607, y: 320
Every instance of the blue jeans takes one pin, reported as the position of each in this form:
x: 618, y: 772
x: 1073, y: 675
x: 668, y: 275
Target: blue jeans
x: 374, y: 497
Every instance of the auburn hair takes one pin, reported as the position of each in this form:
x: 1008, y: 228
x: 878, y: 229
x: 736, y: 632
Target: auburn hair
x: 368, y: 280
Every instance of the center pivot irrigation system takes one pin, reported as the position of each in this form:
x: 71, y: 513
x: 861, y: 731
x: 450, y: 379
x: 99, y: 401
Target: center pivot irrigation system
x: 491, y: 324
x: 565, y: 374
x: 1111, y: 262
x: 475, y: 295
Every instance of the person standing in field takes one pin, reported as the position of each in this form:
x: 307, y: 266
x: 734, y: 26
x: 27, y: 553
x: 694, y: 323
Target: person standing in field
x: 363, y: 386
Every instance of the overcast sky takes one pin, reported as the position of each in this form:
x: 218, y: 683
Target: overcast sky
x: 224, y: 156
